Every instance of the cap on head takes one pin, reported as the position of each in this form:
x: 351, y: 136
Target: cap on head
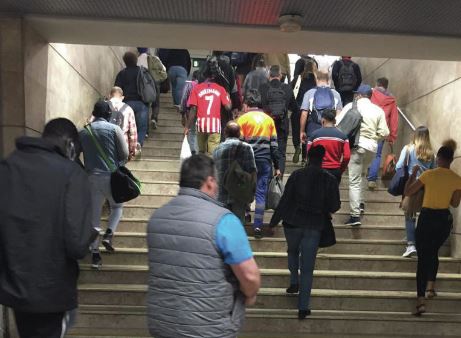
x: 101, y: 109
x: 364, y: 89
x: 142, y: 50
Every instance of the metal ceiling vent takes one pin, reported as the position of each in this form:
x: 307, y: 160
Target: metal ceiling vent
x: 290, y: 23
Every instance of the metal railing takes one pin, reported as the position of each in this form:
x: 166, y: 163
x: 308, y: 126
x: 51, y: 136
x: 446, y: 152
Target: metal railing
x: 406, y: 119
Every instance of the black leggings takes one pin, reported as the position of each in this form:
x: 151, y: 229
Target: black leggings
x: 433, y: 229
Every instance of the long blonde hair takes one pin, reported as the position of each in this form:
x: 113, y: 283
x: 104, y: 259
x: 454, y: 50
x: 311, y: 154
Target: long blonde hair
x: 422, y: 142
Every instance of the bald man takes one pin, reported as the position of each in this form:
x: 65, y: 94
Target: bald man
x: 232, y: 149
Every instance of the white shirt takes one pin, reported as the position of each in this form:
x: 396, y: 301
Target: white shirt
x: 373, y: 128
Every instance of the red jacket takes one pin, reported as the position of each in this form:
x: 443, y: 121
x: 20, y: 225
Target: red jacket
x: 389, y: 105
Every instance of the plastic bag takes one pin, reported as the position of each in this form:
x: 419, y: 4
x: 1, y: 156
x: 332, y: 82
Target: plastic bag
x: 274, y: 193
x: 185, y: 150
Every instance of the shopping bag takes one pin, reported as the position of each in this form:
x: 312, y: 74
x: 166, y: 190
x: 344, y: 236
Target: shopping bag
x: 185, y: 150
x: 274, y: 193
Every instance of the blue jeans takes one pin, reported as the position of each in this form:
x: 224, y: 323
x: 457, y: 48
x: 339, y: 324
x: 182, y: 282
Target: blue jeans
x: 304, y: 241
x: 141, y: 114
x: 410, y: 224
x: 373, y: 170
x: 264, y: 172
x: 178, y: 77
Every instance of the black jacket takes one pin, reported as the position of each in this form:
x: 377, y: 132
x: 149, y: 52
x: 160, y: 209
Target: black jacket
x: 310, y: 195
x: 127, y: 79
x: 290, y: 100
x: 45, y: 226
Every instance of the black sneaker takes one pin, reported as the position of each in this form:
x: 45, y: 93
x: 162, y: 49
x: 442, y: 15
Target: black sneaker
x: 96, y: 261
x: 353, y: 221
x: 362, y: 208
x: 302, y: 314
x: 154, y: 124
x: 294, y: 288
x: 258, y: 234
x: 107, y: 240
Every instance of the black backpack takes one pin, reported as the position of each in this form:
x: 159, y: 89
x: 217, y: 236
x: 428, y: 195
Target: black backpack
x: 240, y: 185
x: 347, y: 80
x: 116, y: 116
x: 146, y: 85
x: 350, y: 125
x: 276, y: 102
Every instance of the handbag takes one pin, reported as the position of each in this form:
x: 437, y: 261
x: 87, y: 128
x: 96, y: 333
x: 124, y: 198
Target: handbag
x: 327, y: 236
x: 389, y: 165
x: 124, y: 186
x: 414, y: 203
x: 397, y: 185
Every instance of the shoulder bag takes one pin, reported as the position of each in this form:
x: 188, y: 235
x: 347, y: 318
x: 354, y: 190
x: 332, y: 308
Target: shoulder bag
x: 397, y: 185
x: 124, y: 186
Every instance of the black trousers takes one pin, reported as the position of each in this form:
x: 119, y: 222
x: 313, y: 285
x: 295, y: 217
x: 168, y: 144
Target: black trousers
x: 282, y: 127
x: 337, y: 173
x: 295, y: 128
x: 346, y: 97
x: 40, y: 325
x: 433, y: 229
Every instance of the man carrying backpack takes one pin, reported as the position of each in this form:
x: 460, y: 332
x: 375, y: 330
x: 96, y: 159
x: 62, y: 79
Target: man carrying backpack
x: 123, y: 116
x: 314, y: 103
x: 346, y: 77
x: 277, y: 98
x: 236, y: 171
x: 373, y: 128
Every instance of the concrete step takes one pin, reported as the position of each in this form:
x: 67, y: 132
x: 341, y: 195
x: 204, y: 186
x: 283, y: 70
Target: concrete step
x: 396, y: 232
x: 324, y: 261
x: 279, y: 278
x: 276, y: 298
x: 377, y: 218
x: 156, y: 200
x: 130, y: 321
x: 170, y: 188
x: 344, y: 246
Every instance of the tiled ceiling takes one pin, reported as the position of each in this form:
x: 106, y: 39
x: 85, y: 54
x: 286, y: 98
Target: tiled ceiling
x: 413, y: 17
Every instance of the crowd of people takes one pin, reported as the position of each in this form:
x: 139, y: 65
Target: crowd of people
x: 237, y: 111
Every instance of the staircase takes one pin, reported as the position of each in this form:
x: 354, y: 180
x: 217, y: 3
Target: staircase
x: 362, y: 285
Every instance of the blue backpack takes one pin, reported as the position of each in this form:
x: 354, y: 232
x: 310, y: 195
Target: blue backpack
x: 323, y: 99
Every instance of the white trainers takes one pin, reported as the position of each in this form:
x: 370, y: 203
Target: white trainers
x: 410, y: 251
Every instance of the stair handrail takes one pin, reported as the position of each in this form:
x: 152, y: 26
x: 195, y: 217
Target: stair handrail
x: 407, y: 120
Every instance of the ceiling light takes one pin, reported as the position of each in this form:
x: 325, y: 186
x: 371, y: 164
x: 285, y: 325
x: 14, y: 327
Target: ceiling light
x: 290, y: 23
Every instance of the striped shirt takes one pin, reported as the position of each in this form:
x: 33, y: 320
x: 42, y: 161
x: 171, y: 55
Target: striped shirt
x: 208, y: 97
x: 336, y: 144
x: 258, y: 130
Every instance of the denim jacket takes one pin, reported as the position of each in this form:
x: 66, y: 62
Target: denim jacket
x: 112, y: 141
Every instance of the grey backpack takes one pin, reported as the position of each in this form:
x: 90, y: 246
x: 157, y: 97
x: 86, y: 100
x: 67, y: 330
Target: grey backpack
x: 146, y: 86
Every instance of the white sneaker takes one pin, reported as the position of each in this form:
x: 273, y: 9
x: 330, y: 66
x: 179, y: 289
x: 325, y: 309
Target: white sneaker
x: 410, y: 251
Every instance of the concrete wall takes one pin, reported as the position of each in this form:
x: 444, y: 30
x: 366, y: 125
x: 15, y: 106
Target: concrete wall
x: 428, y: 93
x: 41, y: 81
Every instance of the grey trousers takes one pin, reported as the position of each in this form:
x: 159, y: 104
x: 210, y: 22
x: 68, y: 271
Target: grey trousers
x: 360, y: 160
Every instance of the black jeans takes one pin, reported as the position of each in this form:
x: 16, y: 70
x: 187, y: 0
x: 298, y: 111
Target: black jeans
x: 295, y: 129
x: 337, y: 173
x: 346, y: 97
x: 40, y: 325
x: 283, y: 129
x: 156, y: 104
x: 433, y: 229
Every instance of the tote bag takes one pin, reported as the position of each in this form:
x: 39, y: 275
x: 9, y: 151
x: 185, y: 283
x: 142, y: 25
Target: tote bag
x: 397, y: 185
